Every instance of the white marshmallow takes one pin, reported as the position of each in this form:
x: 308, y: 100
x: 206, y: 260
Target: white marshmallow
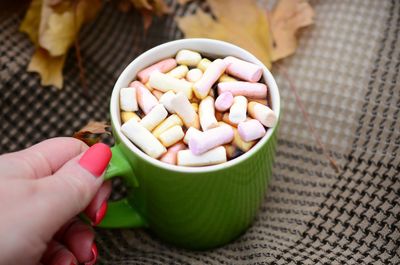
x: 238, y: 111
x: 185, y: 110
x: 166, y: 124
x: 187, y: 57
x: 194, y: 75
x: 171, y: 136
x: 179, y: 71
x: 262, y: 113
x: 143, y: 139
x: 127, y: 115
x: 203, y: 64
x: 212, y: 157
x: 127, y: 99
x: 166, y: 101
x: 189, y: 133
x: 207, y: 114
x: 165, y: 83
x: 154, y: 117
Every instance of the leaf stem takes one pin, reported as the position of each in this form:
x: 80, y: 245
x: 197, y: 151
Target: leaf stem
x: 310, y: 125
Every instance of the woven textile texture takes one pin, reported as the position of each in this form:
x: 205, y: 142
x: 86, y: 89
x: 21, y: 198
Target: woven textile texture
x: 346, y: 71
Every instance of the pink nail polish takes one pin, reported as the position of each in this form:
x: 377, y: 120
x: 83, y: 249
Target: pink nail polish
x: 101, y: 212
x: 96, y: 159
x: 94, y: 253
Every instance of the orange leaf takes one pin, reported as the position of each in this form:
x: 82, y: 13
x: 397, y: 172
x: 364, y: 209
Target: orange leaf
x: 287, y: 18
x: 91, y: 132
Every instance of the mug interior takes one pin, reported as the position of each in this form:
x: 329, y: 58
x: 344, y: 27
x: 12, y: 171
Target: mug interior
x: 207, y: 47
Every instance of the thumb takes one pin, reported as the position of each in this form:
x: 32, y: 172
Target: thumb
x: 68, y: 191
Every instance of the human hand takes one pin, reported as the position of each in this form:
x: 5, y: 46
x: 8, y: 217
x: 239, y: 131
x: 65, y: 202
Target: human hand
x: 42, y: 189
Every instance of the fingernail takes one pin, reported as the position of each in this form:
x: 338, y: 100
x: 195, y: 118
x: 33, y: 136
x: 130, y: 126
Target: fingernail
x: 95, y: 254
x: 100, y: 213
x: 96, y: 159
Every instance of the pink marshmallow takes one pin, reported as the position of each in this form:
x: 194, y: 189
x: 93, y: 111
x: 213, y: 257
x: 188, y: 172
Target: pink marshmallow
x: 243, y: 70
x: 170, y: 156
x: 207, y: 140
x: 210, y: 76
x: 162, y: 66
x: 145, y: 99
x: 247, y: 89
x: 224, y: 101
x: 251, y: 130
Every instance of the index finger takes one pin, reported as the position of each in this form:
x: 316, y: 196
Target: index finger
x: 42, y: 159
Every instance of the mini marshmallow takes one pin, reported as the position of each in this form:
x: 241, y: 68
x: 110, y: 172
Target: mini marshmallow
x: 154, y: 117
x: 170, y: 156
x: 166, y: 98
x: 162, y: 66
x: 202, y: 87
x: 224, y: 101
x: 195, y: 106
x: 212, y: 157
x: 165, y: 83
x: 127, y: 99
x: 262, y: 113
x: 207, y: 114
x: 204, y: 141
x: 179, y: 71
x: 238, y: 110
x: 239, y: 143
x: 203, y: 64
x: 194, y: 75
x: 225, y: 118
x: 251, y: 130
x: 171, y: 136
x: 259, y: 100
x: 240, y: 88
x: 166, y: 124
x: 189, y: 133
x: 243, y: 70
x: 157, y: 94
x: 145, y: 99
x: 185, y: 110
x: 127, y: 115
x: 187, y: 57
x: 226, y: 78
x: 142, y: 138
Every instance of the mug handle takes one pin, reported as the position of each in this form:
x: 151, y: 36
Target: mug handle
x: 120, y: 214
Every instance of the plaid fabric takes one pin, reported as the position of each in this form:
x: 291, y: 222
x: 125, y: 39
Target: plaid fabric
x: 347, y: 73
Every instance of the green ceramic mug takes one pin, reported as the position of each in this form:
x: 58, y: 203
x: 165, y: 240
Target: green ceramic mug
x: 192, y: 207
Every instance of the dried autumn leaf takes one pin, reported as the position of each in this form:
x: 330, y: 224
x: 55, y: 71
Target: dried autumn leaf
x: 243, y: 23
x: 287, y: 18
x: 30, y: 24
x: 48, y: 67
x: 183, y: 2
x: 91, y: 132
x: 60, y: 26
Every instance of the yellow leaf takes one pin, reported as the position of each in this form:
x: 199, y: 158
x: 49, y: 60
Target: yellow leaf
x: 243, y: 23
x: 48, y: 67
x: 60, y: 28
x: 30, y: 24
x: 286, y: 19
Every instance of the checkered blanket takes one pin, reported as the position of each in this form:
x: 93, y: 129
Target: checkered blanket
x: 347, y: 73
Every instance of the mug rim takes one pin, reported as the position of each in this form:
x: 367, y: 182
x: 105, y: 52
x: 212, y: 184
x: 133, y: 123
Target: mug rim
x: 126, y: 73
